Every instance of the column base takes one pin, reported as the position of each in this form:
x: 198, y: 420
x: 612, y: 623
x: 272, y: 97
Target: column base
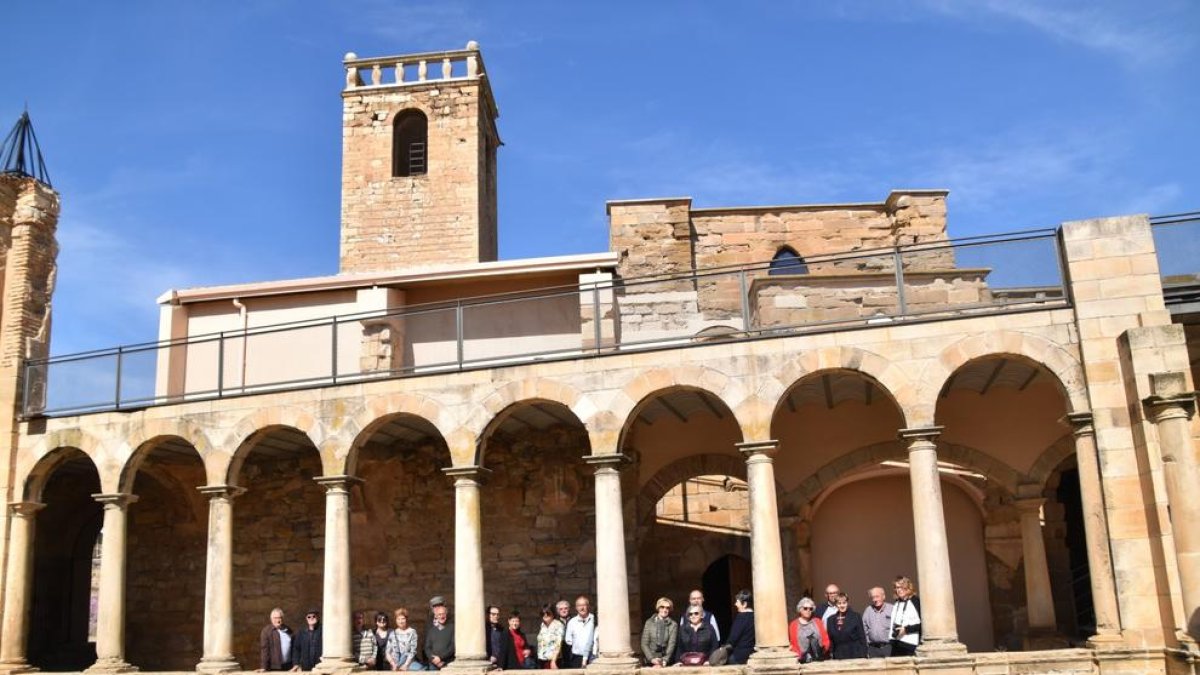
x: 772, y: 660
x: 1106, y: 640
x: 614, y: 663
x: 15, y: 667
x: 337, y: 665
x: 468, y: 666
x: 110, y: 665
x: 941, y: 648
x: 218, y: 665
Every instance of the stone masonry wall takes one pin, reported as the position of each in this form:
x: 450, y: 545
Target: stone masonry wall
x: 168, y: 534
x: 448, y: 214
x: 278, y: 546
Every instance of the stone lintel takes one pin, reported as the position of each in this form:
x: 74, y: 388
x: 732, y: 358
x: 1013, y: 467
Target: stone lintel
x: 614, y: 460
x: 475, y: 473
x: 227, y: 491
x: 118, y: 499
x: 752, y: 448
x: 929, y: 433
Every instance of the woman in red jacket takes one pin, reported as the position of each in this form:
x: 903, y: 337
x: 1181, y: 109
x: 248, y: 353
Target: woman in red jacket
x: 806, y: 633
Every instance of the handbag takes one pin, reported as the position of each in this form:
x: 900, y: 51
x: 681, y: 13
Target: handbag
x: 693, y: 658
x: 720, y: 656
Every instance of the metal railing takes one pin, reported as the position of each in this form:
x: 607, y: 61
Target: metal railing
x: 979, y: 275
x: 1177, y: 243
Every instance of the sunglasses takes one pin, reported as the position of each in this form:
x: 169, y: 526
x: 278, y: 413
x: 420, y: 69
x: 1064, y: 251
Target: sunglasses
x: 663, y: 607
x: 693, y: 613
x: 807, y: 609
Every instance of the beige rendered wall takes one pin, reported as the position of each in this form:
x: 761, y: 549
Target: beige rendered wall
x: 862, y: 536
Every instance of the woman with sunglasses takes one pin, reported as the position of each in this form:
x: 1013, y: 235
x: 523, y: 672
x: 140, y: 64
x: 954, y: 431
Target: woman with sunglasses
x: 659, y: 635
x: 806, y: 633
x: 696, y: 639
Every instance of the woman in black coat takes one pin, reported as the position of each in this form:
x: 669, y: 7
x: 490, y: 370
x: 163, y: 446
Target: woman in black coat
x: 741, y: 634
x: 696, y: 635
x: 847, y: 638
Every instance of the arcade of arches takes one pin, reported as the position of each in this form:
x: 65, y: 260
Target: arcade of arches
x: 209, y: 551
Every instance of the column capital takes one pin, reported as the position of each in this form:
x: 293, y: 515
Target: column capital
x: 117, y: 500
x: 615, y: 461
x: 1029, y: 504
x: 913, y: 434
x: 25, y: 509
x: 750, y: 449
x: 337, y: 483
x: 221, y: 491
x: 476, y: 473
x: 1170, y: 398
x: 1082, y: 423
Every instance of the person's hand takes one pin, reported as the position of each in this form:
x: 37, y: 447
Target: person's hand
x: 295, y: 669
x: 553, y: 664
x: 900, y: 632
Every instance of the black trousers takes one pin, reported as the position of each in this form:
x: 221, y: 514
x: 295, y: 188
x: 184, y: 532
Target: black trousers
x: 903, y: 648
x: 879, y: 650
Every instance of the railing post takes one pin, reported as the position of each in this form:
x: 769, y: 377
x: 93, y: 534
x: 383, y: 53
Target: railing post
x: 898, y: 263
x: 458, y: 327
x: 117, y: 394
x: 221, y: 364
x: 745, y: 300
x: 596, y: 315
x: 333, y: 350
x: 1060, y: 257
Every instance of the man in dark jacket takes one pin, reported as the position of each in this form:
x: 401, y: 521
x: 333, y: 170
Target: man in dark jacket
x: 275, y: 644
x: 306, y: 647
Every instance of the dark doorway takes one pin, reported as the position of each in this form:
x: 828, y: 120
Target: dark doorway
x: 1076, y: 543
x: 724, y: 577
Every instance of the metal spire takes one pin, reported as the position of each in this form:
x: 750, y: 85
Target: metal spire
x: 20, y: 154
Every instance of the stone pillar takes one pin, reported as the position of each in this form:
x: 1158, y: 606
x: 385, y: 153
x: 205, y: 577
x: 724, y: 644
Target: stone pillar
x: 469, y: 603
x: 766, y: 561
x: 18, y: 582
x: 612, y: 571
x: 110, y: 616
x: 939, y: 625
x: 218, y: 582
x: 1095, y: 530
x: 1171, y: 407
x: 337, y: 655
x: 1039, y: 598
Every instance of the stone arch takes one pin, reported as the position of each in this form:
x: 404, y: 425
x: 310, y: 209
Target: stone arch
x: 506, y: 412
x: 377, y: 410
x: 62, y: 449
x: 535, y: 388
x: 890, y: 378
x: 1051, y: 458
x: 1034, y: 349
x: 638, y: 393
x: 250, y: 428
x: 149, y: 434
x: 973, y: 491
x: 680, y: 470
x: 833, y: 473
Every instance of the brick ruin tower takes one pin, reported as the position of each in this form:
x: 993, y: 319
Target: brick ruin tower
x: 419, y: 147
x: 28, y: 218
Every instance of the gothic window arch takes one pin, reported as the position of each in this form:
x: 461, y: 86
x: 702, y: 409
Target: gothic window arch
x: 410, y: 142
x: 787, y: 261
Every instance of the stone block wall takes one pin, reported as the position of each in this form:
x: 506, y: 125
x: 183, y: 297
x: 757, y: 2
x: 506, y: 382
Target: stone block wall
x: 714, y: 501
x: 446, y: 215
x: 167, y: 546
x: 278, y: 546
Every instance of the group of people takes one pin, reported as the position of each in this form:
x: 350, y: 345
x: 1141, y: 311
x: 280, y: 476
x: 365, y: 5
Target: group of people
x: 829, y: 630
x: 834, y: 630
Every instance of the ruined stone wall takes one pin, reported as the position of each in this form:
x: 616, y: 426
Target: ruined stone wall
x: 446, y: 215
x: 167, y: 546
x: 278, y: 546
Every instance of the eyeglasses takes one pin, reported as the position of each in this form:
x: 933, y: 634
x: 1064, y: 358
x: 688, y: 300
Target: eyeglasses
x: 663, y: 607
x: 693, y: 613
x: 380, y: 620
x: 311, y: 616
x: 807, y: 609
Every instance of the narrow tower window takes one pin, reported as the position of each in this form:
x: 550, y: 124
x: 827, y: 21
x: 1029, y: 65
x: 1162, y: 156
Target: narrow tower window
x: 787, y: 261
x: 409, y: 142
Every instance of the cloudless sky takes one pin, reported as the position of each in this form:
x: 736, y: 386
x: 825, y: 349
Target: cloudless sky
x: 199, y: 143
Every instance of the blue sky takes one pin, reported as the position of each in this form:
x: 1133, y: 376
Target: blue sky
x: 198, y: 143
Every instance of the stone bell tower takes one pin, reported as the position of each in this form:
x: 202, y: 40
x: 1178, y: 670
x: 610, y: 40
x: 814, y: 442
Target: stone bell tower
x: 419, y: 147
x: 28, y: 248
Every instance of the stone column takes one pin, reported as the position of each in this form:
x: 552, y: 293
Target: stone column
x: 469, y: 603
x: 18, y: 586
x: 1171, y: 407
x: 336, y: 654
x: 1039, y: 599
x: 939, y: 625
x: 766, y: 561
x: 612, y: 572
x: 218, y: 582
x: 1095, y: 529
x: 110, y: 615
